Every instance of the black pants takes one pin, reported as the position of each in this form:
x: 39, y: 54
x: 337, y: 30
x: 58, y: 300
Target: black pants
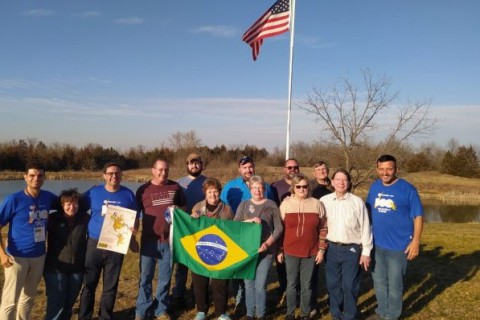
x: 219, y: 293
x: 96, y: 261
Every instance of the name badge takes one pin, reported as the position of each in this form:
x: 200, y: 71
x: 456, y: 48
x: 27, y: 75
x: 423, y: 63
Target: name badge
x: 104, y: 210
x: 39, y: 234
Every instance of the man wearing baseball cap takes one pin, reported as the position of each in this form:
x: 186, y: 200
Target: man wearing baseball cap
x: 192, y: 188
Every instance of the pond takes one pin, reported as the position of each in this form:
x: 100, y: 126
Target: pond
x: 435, y: 211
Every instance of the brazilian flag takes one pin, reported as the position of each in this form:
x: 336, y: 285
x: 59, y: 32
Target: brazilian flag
x: 220, y: 249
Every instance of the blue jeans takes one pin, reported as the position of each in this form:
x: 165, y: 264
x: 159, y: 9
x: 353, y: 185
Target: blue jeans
x: 62, y: 292
x: 388, y: 273
x: 256, y: 290
x: 342, y: 271
x: 150, y: 253
x: 299, y: 268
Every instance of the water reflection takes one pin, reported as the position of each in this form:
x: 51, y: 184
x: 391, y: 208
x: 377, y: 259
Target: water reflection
x: 434, y: 211
x: 452, y: 213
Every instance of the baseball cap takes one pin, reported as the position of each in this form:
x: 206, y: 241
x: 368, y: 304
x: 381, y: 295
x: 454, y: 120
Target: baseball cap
x: 244, y: 160
x: 193, y: 157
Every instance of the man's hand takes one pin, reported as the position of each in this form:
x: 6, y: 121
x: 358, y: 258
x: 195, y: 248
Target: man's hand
x: 413, y: 249
x: 7, y: 260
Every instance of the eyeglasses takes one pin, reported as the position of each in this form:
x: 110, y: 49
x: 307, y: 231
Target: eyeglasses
x: 245, y: 160
x: 110, y: 174
x: 301, y: 186
x: 293, y: 167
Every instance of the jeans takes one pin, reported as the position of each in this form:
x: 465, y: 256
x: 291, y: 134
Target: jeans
x: 96, y: 261
x: 299, y: 268
x: 388, y: 273
x: 342, y: 272
x: 152, y: 252
x: 256, y: 290
x: 20, y: 287
x: 62, y: 292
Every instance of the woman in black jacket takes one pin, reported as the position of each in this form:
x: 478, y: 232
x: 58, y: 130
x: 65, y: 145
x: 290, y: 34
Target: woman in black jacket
x: 64, y: 264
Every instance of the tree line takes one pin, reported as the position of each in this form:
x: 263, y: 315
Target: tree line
x: 457, y: 160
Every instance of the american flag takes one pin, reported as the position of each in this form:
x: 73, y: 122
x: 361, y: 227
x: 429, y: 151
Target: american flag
x: 273, y: 22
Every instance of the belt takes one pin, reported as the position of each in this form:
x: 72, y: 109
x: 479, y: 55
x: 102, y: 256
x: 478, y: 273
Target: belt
x: 341, y: 244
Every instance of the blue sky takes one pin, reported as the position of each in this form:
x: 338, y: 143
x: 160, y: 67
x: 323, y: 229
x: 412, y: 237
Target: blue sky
x: 127, y: 73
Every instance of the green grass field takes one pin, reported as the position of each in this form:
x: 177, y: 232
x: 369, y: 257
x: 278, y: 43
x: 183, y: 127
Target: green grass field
x: 442, y: 283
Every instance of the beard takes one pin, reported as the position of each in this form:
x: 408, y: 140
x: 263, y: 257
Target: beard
x: 194, y: 173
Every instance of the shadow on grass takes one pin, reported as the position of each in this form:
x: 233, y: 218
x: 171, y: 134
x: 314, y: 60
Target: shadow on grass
x: 433, y: 272
x: 427, y: 277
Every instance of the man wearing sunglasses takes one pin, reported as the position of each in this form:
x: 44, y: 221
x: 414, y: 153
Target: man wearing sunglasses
x: 280, y: 190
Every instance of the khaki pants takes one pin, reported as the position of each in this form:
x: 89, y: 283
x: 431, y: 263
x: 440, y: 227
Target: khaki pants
x: 20, y: 288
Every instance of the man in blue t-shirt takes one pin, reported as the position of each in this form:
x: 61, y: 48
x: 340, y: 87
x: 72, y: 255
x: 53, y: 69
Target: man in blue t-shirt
x: 26, y: 213
x: 97, y: 260
x: 397, y: 223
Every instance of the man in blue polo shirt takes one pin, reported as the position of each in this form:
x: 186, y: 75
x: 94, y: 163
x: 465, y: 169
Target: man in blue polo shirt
x: 26, y: 213
x: 397, y: 223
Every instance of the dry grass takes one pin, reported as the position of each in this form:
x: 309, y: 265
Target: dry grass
x: 443, y: 283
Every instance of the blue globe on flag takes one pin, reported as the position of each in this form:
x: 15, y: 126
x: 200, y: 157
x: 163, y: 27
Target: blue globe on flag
x: 211, y: 249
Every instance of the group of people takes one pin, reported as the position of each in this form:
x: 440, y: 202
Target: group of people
x: 304, y: 223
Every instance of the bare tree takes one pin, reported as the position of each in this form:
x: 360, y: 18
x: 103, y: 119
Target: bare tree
x: 185, y: 140
x: 350, y: 117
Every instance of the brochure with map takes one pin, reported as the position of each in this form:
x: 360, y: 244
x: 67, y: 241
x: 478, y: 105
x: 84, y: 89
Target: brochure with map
x: 116, y: 234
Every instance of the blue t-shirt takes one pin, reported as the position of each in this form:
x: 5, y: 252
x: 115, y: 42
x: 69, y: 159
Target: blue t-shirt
x: 393, y: 209
x: 27, y: 218
x: 98, y: 196
x: 192, y: 189
x: 236, y: 191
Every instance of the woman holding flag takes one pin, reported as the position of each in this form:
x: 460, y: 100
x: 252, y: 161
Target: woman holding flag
x: 263, y: 211
x: 211, y: 207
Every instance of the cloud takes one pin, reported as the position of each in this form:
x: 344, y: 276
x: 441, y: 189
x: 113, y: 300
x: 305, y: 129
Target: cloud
x: 130, y: 20
x: 89, y: 14
x: 38, y: 12
x: 221, y: 31
x: 10, y: 84
x: 314, y: 42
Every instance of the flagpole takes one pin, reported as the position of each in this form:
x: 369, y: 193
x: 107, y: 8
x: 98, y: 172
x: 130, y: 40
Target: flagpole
x: 290, y: 76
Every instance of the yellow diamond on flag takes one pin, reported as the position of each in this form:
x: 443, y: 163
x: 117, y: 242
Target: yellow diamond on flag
x: 213, y: 249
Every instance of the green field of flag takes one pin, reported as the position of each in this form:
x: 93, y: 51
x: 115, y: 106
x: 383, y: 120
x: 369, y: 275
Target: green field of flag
x: 220, y: 249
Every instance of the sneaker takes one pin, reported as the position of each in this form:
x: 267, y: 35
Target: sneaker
x: 224, y: 316
x: 200, y: 316
x: 163, y: 316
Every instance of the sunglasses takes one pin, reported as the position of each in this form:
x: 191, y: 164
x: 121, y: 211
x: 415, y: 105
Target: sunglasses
x: 292, y: 167
x: 301, y: 186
